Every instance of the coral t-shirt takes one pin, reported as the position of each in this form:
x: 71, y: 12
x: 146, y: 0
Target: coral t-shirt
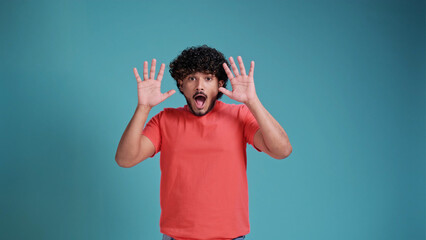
x: 203, y: 162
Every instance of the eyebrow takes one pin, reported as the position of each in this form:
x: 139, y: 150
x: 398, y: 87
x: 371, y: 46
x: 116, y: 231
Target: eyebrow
x: 207, y: 75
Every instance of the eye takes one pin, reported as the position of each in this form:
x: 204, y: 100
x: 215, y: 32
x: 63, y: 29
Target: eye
x: 208, y: 78
x: 191, y: 78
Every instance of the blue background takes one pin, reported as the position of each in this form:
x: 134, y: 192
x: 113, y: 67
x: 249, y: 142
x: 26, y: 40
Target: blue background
x: 346, y: 80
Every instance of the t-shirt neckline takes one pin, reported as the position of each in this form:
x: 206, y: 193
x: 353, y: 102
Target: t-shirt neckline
x: 217, y: 105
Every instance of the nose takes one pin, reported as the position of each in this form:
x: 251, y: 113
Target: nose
x: 200, y: 85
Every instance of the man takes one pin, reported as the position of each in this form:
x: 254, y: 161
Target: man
x: 203, y: 192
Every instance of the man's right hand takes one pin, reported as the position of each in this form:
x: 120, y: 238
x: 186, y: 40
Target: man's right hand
x: 149, y: 90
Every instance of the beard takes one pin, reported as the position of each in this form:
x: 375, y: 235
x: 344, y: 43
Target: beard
x: 212, y: 104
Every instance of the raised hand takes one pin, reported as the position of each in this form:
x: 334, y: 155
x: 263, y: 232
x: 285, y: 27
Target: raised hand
x: 243, y: 89
x: 149, y: 90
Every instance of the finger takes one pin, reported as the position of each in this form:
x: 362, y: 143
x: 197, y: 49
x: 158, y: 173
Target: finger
x: 161, y: 73
x: 226, y: 92
x: 242, y: 69
x: 228, y: 71
x: 138, y: 78
x: 152, y: 73
x: 251, y: 71
x: 234, y: 67
x: 145, y: 70
x: 168, y: 94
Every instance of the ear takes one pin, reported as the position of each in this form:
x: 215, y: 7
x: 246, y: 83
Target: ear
x: 180, y: 82
x: 221, y: 82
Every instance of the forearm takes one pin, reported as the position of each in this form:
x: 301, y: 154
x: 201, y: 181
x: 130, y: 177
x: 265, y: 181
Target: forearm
x: 274, y: 136
x: 129, y: 145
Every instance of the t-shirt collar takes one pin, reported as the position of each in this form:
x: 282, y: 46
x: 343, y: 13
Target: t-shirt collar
x: 217, y: 105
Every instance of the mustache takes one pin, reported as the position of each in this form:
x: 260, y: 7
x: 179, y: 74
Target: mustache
x: 202, y: 93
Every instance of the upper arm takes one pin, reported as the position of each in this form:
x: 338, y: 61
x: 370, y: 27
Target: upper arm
x: 146, y: 149
x: 260, y: 144
x: 150, y: 141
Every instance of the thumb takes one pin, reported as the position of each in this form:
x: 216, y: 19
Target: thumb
x: 168, y: 94
x: 225, y: 91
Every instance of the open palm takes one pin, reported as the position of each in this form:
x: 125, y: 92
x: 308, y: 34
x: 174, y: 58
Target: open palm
x: 243, y: 89
x: 149, y: 90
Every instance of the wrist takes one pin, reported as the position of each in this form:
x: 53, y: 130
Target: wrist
x: 253, y: 102
x: 143, y: 107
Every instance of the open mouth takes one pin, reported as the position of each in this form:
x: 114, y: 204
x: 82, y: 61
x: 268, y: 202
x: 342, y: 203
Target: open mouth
x: 200, y: 100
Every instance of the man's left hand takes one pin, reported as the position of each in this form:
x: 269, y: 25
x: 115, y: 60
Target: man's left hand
x: 242, y: 84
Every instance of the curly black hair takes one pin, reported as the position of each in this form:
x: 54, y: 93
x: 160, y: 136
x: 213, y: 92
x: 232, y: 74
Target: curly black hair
x: 199, y: 59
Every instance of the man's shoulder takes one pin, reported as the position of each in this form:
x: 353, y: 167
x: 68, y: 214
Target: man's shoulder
x: 170, y: 111
x: 177, y: 109
x: 232, y: 106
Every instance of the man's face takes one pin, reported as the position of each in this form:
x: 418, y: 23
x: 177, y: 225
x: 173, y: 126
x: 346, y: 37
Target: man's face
x: 200, y: 90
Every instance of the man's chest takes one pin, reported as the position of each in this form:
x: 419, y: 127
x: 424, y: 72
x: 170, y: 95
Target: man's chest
x: 202, y: 136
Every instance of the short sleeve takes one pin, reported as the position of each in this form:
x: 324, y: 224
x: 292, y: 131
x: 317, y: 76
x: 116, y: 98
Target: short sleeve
x: 152, y: 131
x: 250, y: 126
